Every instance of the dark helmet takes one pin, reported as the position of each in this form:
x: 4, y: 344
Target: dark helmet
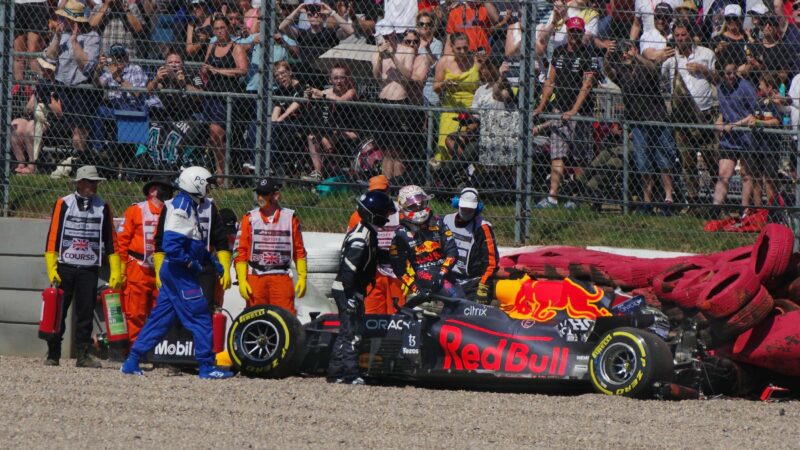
x: 375, y: 207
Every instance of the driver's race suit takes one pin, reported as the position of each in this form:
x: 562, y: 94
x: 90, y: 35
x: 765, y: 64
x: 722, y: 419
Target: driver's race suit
x: 423, y: 256
x: 181, y: 296
x: 357, y: 266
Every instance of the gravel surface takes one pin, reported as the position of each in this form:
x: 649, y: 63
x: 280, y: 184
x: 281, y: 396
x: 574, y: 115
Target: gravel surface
x: 66, y: 407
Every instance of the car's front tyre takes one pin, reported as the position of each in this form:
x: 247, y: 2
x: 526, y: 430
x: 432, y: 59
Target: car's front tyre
x: 266, y: 342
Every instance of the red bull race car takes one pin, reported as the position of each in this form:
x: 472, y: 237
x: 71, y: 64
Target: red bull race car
x: 626, y: 349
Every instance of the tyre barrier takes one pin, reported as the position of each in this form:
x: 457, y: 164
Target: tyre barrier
x: 688, y: 289
x: 728, y: 291
x: 729, y: 256
x: 772, y: 252
x: 665, y: 282
x: 784, y: 306
x: 759, y: 307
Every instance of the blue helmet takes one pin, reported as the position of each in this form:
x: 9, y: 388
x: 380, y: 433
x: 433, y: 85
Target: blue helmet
x: 375, y: 207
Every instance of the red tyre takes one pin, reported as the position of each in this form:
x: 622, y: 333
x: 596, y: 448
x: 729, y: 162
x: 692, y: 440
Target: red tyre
x: 772, y: 252
x: 731, y: 256
x: 505, y: 261
x: 688, y: 290
x: 665, y: 282
x: 750, y: 315
x: 728, y: 291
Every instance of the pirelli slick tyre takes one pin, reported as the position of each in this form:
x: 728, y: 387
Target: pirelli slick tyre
x: 772, y: 252
x: 627, y: 361
x: 728, y: 291
x: 266, y: 342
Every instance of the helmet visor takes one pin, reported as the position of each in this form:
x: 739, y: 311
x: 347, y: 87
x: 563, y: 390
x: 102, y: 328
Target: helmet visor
x: 416, y: 203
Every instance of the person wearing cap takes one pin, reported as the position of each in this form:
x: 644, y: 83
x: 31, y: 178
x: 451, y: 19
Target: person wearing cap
x: 477, y: 259
x: 687, y: 13
x: 771, y: 54
x: 643, y: 16
x: 136, y: 247
x: 571, y: 77
x: 269, y: 239
x: 653, y: 44
x: 75, y: 45
x: 729, y: 45
x: 387, y: 289
x: 198, y: 31
x: 44, y: 106
x: 755, y: 13
x: 114, y: 72
x: 118, y: 22
x: 80, y: 238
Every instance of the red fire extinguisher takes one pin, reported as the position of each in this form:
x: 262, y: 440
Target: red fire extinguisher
x: 219, y: 321
x: 116, y: 325
x: 52, y: 311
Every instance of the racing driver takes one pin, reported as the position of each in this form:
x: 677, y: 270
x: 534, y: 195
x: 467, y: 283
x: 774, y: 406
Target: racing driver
x: 423, y: 251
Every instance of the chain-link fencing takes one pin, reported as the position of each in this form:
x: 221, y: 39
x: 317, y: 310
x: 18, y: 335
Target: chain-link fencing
x: 630, y: 123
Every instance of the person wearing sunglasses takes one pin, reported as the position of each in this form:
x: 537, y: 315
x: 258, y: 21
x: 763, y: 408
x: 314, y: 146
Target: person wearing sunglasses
x: 729, y: 46
x: 315, y: 40
x: 431, y: 48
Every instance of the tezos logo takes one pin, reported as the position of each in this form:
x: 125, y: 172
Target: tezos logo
x: 475, y: 311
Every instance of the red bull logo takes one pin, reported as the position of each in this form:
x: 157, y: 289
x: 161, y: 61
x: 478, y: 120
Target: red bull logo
x: 428, y: 247
x: 510, y: 354
x: 541, y: 300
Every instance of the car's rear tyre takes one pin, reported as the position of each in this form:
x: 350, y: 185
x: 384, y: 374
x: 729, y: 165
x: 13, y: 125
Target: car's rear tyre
x: 267, y: 342
x: 627, y: 362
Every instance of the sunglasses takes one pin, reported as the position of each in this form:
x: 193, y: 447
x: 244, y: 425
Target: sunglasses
x: 411, y: 42
x: 314, y: 13
x: 425, y: 24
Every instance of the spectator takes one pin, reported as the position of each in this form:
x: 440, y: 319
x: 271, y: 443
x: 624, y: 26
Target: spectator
x: 287, y: 137
x: 250, y: 14
x: 30, y: 24
x: 457, y: 78
x: 643, y: 19
x: 431, y: 48
x: 115, y: 72
x: 225, y: 63
x: 691, y: 73
x: 118, y: 22
x: 398, y: 17
x: 653, y: 145
x: 330, y: 118
x: 653, y: 44
x: 619, y: 16
x: 315, y: 40
x: 76, y: 46
x: 571, y: 77
x: 772, y: 53
x: 393, y: 66
x: 198, y: 31
x: 473, y: 19
x: 499, y: 118
x: 43, y: 107
x: 420, y: 69
x: 766, y: 158
x: 509, y: 14
x: 687, y: 13
x: 176, y: 118
x: 755, y: 13
x: 793, y: 101
x: 730, y: 44
x: 737, y: 106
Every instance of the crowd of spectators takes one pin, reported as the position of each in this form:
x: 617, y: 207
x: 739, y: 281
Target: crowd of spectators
x: 722, y: 65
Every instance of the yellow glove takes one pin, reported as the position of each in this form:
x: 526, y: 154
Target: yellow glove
x: 241, y: 274
x: 482, y: 295
x: 124, y: 273
x: 115, y: 277
x: 302, y: 274
x: 158, y: 259
x: 51, y: 258
x: 224, y: 258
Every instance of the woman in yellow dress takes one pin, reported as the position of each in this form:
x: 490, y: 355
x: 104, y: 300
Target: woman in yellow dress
x: 456, y: 80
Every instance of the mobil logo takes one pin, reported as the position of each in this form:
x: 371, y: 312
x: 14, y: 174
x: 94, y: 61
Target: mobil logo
x: 490, y: 350
x: 541, y: 300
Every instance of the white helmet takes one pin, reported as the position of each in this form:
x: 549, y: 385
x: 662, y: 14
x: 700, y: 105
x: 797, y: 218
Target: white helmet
x: 195, y: 180
x: 414, y: 204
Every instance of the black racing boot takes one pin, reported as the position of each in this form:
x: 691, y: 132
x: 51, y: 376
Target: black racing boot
x: 86, y: 359
x: 53, y: 353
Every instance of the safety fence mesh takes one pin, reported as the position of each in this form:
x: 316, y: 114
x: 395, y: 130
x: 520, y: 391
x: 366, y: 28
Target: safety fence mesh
x: 630, y: 123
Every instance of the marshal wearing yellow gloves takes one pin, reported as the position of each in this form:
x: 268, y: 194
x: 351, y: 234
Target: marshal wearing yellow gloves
x: 81, y: 236
x: 269, y: 239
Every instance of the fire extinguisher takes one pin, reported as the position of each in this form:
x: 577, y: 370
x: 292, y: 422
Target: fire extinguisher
x: 116, y: 325
x: 219, y: 322
x: 51, y: 314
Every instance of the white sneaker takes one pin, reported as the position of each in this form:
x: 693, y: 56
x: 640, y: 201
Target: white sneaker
x: 545, y: 203
x: 313, y: 176
x: 63, y: 170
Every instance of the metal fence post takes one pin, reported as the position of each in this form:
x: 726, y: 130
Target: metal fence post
x: 625, y: 167
x: 265, y: 125
x: 525, y: 99
x: 228, y: 136
x: 6, y: 66
x: 429, y: 147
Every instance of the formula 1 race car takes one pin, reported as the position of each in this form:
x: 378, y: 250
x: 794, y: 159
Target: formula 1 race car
x: 626, y: 349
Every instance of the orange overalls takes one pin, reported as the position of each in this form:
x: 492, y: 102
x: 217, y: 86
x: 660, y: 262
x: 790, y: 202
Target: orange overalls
x: 387, y: 287
x: 268, y: 244
x: 136, y: 239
